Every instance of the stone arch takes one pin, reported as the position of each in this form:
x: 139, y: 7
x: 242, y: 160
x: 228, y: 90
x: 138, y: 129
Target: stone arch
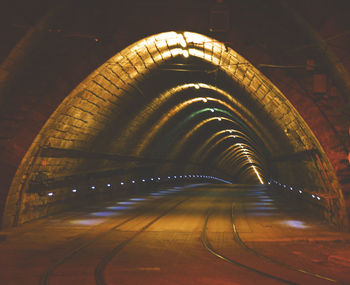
x: 82, y: 117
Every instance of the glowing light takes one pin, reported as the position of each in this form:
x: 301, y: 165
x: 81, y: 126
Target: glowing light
x: 295, y: 224
x: 300, y: 191
x: 313, y: 196
x: 117, y: 208
x: 133, y: 181
x: 318, y: 198
x: 181, y: 40
x: 212, y: 110
x: 196, y: 86
x: 74, y: 190
x: 93, y: 187
x: 257, y: 174
x: 219, y: 119
x: 126, y: 203
x: 205, y: 100
x: 87, y: 222
x: 102, y: 214
x: 143, y: 180
x: 185, y: 53
x: 109, y: 185
x: 138, y: 199
x: 50, y: 194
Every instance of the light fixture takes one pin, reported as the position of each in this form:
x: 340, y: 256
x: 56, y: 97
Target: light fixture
x: 185, y: 53
x: 50, y: 194
x: 74, y: 190
x: 93, y: 187
x: 182, y: 40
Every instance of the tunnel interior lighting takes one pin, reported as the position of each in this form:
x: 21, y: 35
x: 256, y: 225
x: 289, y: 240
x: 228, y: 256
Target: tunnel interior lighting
x: 185, y: 53
x: 295, y: 224
x: 182, y: 40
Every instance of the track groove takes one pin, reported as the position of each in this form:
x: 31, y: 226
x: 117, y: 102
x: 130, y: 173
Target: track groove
x: 245, y: 246
x: 208, y: 246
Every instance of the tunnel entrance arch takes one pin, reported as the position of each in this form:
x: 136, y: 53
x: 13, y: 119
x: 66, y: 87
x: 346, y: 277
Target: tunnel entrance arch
x: 88, y: 113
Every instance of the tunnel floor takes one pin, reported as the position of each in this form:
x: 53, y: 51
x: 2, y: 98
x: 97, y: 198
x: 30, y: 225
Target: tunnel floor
x: 196, y: 234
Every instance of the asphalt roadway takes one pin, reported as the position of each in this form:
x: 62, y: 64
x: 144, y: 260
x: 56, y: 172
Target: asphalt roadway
x: 196, y: 234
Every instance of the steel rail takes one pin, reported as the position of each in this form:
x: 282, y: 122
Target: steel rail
x: 208, y: 246
x: 101, y: 266
x: 244, y: 245
x: 45, y: 279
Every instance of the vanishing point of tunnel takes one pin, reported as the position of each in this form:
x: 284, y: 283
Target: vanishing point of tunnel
x: 174, y: 142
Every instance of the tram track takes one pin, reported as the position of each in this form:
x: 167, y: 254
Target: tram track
x: 100, y: 268
x: 238, y: 239
x: 233, y: 262
x: 45, y: 278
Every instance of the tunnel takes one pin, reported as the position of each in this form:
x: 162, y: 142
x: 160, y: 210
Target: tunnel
x: 175, y: 102
x: 173, y: 159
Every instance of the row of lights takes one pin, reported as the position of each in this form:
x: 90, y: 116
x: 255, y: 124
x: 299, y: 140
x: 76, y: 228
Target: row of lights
x: 284, y: 186
x: 155, y: 179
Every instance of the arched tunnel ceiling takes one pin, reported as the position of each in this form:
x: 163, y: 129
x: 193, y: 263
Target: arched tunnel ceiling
x: 170, y: 96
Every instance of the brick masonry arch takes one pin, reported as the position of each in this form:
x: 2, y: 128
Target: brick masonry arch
x: 82, y: 117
